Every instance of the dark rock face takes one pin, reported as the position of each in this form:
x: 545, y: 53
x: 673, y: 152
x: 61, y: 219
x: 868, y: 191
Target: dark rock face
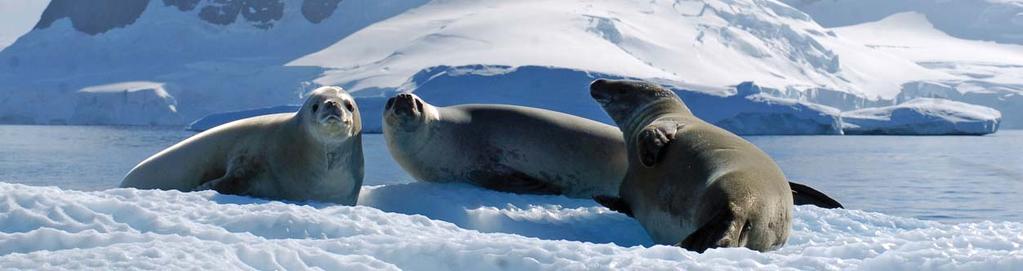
x: 95, y: 16
x: 318, y: 10
x: 183, y: 5
x: 261, y: 12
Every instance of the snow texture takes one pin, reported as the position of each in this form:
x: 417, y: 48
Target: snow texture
x: 445, y: 227
x: 923, y: 116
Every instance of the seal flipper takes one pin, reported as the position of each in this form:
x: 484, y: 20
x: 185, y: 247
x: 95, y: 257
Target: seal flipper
x: 614, y: 203
x: 515, y: 182
x: 234, y: 181
x: 723, y: 230
x: 805, y: 195
x: 653, y: 139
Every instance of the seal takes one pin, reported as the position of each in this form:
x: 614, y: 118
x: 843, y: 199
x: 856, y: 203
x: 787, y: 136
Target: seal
x: 504, y: 147
x: 313, y: 154
x: 690, y: 183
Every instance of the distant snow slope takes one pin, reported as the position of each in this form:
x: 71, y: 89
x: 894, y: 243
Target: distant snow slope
x: 17, y: 17
x: 240, y: 55
x: 445, y: 227
x: 987, y: 73
x: 991, y: 20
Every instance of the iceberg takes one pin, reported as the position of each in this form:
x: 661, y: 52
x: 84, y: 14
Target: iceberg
x: 923, y: 116
x: 128, y: 103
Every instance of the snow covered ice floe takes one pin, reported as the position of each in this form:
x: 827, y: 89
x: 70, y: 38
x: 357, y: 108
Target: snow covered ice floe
x: 923, y: 116
x: 402, y: 227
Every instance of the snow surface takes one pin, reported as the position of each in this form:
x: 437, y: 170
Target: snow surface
x: 923, y: 116
x: 407, y: 227
x: 992, y: 20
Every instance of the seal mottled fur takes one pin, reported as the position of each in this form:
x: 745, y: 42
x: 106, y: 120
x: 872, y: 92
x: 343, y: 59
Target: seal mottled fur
x: 503, y: 147
x: 313, y: 154
x: 690, y: 183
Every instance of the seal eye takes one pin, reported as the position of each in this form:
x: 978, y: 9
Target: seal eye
x: 419, y: 105
x: 348, y: 104
x: 316, y: 107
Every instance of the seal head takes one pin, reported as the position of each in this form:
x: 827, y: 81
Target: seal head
x: 330, y: 115
x: 406, y: 112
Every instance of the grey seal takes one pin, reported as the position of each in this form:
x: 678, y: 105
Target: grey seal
x: 690, y: 183
x: 504, y: 147
x: 313, y: 154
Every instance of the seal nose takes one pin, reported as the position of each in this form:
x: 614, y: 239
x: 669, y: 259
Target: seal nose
x: 598, y: 90
x: 333, y: 104
x: 333, y: 108
x: 403, y: 103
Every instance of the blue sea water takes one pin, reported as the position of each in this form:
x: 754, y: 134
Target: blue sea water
x: 942, y: 178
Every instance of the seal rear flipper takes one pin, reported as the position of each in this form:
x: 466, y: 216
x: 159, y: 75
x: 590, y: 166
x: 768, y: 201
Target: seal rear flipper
x: 721, y: 231
x: 653, y: 139
x: 223, y: 185
x: 805, y: 195
x: 516, y: 182
x: 614, y: 203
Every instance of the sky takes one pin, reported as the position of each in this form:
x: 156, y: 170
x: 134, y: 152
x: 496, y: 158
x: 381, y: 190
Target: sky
x: 18, y: 17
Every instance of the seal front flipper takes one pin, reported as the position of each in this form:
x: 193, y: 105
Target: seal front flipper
x: 614, y: 203
x: 653, y: 139
x: 239, y: 172
x: 514, y: 182
x: 723, y: 230
x: 805, y: 195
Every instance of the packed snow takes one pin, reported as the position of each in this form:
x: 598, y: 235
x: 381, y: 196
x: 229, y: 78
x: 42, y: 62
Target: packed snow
x: 445, y: 227
x: 923, y: 116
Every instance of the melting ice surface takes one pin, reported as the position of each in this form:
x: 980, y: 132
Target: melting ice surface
x: 421, y: 226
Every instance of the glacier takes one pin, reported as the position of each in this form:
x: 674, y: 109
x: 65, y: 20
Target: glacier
x: 442, y: 227
x: 274, y: 52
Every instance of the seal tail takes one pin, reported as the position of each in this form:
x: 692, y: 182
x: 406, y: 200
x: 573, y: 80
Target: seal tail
x: 723, y: 230
x: 805, y: 195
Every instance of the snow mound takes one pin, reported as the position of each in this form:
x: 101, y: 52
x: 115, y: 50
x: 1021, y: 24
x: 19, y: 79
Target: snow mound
x: 129, y: 103
x: 923, y: 116
x: 50, y: 228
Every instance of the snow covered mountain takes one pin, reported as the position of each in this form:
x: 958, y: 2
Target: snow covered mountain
x: 211, y: 56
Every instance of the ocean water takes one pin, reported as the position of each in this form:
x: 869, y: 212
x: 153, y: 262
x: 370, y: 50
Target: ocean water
x: 940, y: 178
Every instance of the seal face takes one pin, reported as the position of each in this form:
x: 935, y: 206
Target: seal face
x: 688, y: 182
x: 503, y: 147
x: 313, y: 154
